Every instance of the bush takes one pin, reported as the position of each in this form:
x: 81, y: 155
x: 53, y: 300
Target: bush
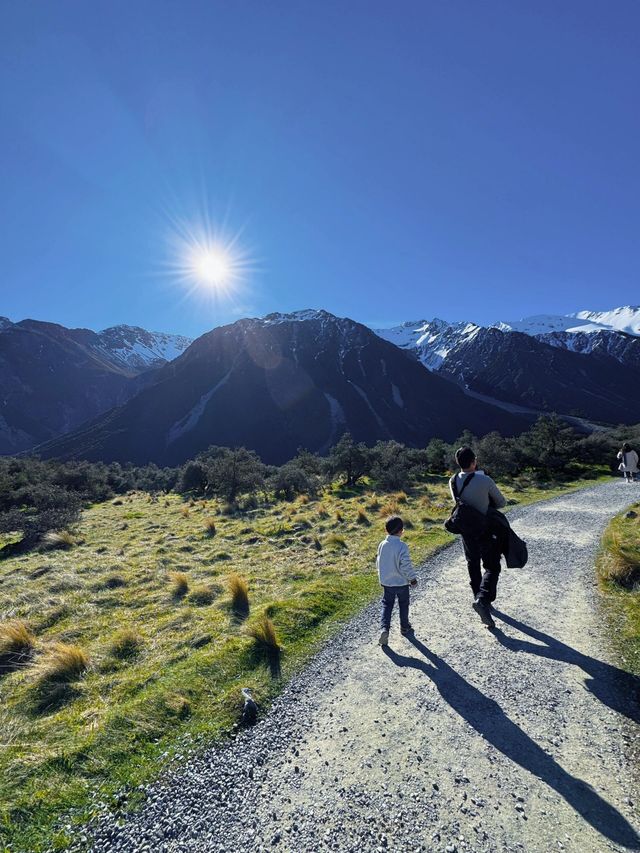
x: 289, y: 481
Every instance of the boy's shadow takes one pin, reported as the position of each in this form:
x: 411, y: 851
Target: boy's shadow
x: 489, y: 720
x: 614, y: 687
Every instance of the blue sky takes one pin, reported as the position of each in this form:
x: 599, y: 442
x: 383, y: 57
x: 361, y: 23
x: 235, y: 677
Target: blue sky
x: 385, y: 161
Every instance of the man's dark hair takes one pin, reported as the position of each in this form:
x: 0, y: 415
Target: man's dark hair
x: 394, y: 525
x: 465, y: 457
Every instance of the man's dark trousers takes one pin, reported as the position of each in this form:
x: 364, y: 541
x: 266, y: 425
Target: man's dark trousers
x: 486, y: 549
x: 389, y: 595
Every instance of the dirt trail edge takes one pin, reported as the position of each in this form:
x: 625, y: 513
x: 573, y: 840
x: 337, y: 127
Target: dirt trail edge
x: 461, y: 740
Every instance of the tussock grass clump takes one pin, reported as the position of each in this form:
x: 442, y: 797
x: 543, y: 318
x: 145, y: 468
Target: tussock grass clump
x: 304, y: 499
x: 317, y: 544
x: 239, y: 589
x: 401, y: 497
x: 620, y: 557
x: 117, y: 502
x: 264, y: 634
x: 179, y: 584
x: 263, y: 631
x: 209, y: 526
x: 184, y: 512
x: 114, y: 581
x: 373, y: 505
x: 126, y: 644
x: 58, y: 539
x: 62, y: 663
x: 322, y: 512
x: 339, y: 516
x: 202, y: 595
x: 17, y: 643
x: 335, y: 541
x: 389, y: 508
x: 362, y: 518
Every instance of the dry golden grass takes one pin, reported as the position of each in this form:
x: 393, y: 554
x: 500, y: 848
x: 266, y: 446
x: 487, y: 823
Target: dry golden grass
x: 263, y: 631
x: 16, y: 638
x: 210, y: 526
x: 202, y: 595
x: 61, y: 663
x: 126, y: 644
x: 339, y: 517
x: 620, y: 558
x: 179, y: 583
x: 239, y: 589
x: 362, y: 517
x: 304, y: 499
x: 58, y: 539
x: 335, y: 541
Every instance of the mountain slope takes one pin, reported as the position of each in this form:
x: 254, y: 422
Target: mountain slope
x: 279, y: 383
x: 53, y: 378
x: 560, y: 364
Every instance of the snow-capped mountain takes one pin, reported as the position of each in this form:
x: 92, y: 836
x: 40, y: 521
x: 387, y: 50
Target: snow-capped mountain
x: 522, y: 363
x: 137, y: 349
x: 53, y: 378
x: 278, y: 383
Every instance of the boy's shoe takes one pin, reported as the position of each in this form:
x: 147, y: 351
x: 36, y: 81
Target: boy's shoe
x: 484, y: 613
x: 407, y: 632
x: 383, y: 640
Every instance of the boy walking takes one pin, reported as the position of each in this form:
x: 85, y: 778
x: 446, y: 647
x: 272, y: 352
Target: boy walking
x: 396, y: 574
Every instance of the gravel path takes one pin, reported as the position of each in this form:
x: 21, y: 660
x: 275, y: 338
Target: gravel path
x: 462, y: 740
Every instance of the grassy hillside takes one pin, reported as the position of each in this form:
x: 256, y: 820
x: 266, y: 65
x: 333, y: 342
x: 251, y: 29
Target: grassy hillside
x: 120, y: 649
x: 619, y: 573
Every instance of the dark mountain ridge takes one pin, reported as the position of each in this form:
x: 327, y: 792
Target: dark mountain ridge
x: 278, y: 383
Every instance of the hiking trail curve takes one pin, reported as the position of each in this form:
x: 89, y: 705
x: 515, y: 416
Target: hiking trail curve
x: 461, y: 739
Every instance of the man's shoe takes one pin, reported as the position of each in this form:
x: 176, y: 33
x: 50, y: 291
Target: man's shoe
x: 483, y: 612
x: 407, y: 632
x: 383, y: 640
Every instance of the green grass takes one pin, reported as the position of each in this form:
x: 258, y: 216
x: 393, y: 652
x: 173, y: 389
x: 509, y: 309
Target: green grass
x: 619, y: 575
x: 150, y: 606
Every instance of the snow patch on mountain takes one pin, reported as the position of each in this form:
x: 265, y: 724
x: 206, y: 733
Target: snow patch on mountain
x: 137, y: 349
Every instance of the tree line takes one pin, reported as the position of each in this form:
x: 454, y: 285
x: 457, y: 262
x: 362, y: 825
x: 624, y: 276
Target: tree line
x: 37, y: 496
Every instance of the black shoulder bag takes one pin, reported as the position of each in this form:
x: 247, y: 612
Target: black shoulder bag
x: 465, y: 520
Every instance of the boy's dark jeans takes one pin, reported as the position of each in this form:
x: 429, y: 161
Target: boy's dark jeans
x: 487, y: 550
x: 389, y: 595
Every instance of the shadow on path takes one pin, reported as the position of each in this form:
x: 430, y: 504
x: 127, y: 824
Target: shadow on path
x: 614, y: 687
x: 489, y: 720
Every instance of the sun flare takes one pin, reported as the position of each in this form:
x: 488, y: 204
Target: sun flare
x: 207, y: 261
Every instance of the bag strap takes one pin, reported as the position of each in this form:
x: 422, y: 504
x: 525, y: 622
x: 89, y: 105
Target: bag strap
x: 457, y: 495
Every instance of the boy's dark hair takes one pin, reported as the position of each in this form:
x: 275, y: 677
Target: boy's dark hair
x: 626, y: 447
x: 394, y: 525
x: 465, y: 457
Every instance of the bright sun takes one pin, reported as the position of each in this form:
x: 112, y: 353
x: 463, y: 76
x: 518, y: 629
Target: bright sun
x: 208, y: 261
x: 212, y: 266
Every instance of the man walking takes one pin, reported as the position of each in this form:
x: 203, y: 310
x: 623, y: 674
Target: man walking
x: 475, y: 488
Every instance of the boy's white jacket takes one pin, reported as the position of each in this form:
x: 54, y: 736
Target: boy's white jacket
x: 394, y: 563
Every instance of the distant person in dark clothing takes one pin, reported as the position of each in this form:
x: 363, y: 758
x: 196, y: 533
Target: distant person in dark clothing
x: 628, y: 462
x: 480, y: 492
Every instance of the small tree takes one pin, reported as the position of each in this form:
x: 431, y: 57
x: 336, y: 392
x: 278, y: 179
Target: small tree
x: 391, y: 465
x: 233, y: 471
x: 194, y: 478
x: 549, y: 444
x: 349, y: 460
x: 497, y: 454
x: 437, y: 455
x: 289, y: 480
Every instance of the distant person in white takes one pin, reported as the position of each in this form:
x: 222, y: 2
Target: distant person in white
x: 481, y: 493
x: 628, y: 462
x: 396, y: 574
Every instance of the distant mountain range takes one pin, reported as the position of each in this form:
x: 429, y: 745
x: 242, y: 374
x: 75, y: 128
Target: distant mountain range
x: 279, y: 383
x: 52, y: 378
x: 289, y: 380
x: 584, y: 365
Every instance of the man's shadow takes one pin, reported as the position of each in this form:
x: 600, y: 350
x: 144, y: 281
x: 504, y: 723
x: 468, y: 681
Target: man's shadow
x: 614, y: 687
x: 489, y: 720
